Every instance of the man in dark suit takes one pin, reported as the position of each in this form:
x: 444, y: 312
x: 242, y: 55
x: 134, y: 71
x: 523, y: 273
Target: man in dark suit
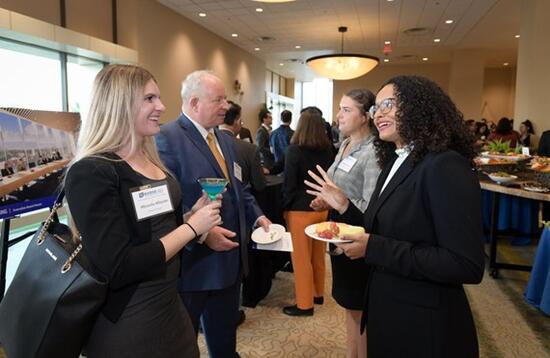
x: 248, y: 155
x: 213, y: 266
x: 262, y: 138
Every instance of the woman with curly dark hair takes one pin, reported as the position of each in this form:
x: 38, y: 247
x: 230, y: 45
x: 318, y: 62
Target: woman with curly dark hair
x: 423, y: 235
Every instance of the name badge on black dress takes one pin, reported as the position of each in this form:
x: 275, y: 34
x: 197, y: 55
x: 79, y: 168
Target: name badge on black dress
x: 151, y: 200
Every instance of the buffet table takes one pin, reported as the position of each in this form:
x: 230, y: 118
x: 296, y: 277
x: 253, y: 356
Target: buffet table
x: 498, y: 191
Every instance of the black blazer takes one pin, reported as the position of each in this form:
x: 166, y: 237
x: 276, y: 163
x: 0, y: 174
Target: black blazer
x: 262, y: 141
x: 119, y: 247
x: 425, y: 242
x: 298, y: 160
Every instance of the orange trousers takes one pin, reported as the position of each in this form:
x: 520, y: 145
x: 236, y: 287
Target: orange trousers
x: 308, y: 257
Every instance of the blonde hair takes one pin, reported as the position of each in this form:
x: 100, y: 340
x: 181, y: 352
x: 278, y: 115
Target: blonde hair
x: 116, y: 98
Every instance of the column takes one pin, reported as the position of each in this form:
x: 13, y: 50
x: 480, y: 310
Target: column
x: 533, y: 74
x: 466, y: 81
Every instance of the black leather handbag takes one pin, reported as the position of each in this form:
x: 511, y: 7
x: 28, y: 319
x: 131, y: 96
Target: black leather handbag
x: 53, y: 301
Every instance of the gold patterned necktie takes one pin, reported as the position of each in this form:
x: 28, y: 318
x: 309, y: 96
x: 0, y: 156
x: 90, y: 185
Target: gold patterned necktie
x: 217, y: 154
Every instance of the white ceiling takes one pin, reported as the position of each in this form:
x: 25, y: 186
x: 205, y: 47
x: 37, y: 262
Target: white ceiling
x: 313, y: 25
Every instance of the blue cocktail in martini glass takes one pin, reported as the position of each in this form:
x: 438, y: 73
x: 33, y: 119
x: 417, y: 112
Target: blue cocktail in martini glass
x: 213, y: 186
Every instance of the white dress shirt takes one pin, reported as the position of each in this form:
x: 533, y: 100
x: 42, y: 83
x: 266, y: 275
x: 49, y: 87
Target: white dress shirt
x: 402, y: 154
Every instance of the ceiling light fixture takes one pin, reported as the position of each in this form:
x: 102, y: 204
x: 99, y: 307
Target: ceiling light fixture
x: 342, y: 66
x: 202, y: 14
x: 386, y: 60
x: 281, y: 64
x: 424, y: 59
x: 449, y: 21
x: 297, y: 46
x: 517, y: 36
x: 234, y: 35
x: 505, y: 63
x: 259, y: 9
x: 387, y: 42
x: 437, y: 40
x: 256, y: 49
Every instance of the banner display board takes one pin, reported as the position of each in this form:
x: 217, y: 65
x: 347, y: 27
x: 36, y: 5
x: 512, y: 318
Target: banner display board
x: 35, y: 147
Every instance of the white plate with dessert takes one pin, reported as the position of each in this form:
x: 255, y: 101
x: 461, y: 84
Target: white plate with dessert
x: 275, y: 233
x: 330, y: 231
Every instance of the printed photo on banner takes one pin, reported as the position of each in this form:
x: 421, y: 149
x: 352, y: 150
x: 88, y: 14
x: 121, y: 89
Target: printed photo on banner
x: 35, y: 147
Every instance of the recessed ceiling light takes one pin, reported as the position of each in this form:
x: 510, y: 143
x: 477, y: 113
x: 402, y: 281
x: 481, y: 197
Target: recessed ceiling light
x: 505, y: 64
x: 517, y: 36
x: 256, y: 49
x: 449, y: 21
x: 437, y: 40
x: 297, y: 46
x: 389, y: 0
x: 386, y: 60
x: 234, y: 35
x: 259, y: 9
x: 424, y: 59
x: 281, y: 64
x: 202, y: 14
x: 387, y: 42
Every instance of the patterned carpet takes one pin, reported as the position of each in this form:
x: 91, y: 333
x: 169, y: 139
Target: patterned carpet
x: 507, y: 325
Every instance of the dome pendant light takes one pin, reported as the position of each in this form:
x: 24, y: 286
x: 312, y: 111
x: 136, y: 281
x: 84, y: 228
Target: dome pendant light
x: 342, y: 66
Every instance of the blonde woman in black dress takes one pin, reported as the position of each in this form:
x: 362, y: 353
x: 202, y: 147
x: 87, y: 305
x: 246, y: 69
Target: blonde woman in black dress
x: 133, y: 242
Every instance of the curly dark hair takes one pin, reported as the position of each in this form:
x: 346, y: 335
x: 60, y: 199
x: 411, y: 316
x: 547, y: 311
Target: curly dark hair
x: 428, y: 119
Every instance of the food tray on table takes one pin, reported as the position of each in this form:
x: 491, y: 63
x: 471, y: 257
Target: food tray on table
x: 542, y: 177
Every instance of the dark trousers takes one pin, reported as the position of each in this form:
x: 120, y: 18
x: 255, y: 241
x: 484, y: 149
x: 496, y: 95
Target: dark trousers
x: 217, y: 311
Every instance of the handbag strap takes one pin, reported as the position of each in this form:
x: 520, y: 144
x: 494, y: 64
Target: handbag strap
x: 56, y: 205
x: 42, y: 234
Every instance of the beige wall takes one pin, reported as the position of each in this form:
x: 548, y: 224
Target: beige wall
x: 532, y: 100
x: 466, y: 81
x: 172, y: 46
x: 374, y: 79
x: 45, y: 10
x: 92, y: 17
x: 498, y: 93
x: 168, y: 44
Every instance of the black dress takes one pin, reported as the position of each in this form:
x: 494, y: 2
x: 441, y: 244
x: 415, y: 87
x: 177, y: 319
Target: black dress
x: 349, y: 277
x: 155, y: 322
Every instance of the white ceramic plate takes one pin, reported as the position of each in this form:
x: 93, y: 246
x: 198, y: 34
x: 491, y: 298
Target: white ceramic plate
x: 310, y: 231
x: 535, y: 189
x: 274, y: 234
x: 502, y: 180
x: 514, y: 158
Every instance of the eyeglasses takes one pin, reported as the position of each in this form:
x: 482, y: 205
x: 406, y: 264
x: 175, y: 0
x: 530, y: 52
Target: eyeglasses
x: 385, y: 106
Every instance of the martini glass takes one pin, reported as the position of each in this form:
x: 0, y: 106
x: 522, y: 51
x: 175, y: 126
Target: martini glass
x: 213, y: 186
